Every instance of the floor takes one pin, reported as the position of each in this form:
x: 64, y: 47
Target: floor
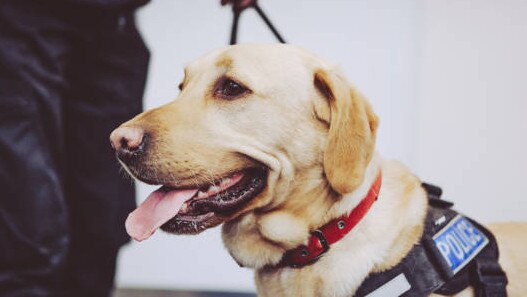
x: 171, y: 293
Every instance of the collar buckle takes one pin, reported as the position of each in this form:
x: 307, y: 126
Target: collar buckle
x: 323, y: 242
x: 307, y: 251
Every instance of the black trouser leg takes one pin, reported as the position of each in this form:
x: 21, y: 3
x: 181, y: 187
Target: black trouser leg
x: 33, y: 216
x: 107, y: 77
x: 66, y: 80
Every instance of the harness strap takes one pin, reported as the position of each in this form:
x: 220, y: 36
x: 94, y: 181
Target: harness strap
x: 491, y: 279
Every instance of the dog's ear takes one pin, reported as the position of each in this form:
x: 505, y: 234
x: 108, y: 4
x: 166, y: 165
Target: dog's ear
x: 352, y: 129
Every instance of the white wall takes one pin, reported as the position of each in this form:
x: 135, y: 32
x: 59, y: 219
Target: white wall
x: 445, y: 78
x: 472, y: 107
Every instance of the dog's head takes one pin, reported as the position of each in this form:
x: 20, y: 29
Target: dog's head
x: 255, y: 129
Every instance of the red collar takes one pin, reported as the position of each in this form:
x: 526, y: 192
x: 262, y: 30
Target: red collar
x: 322, y: 238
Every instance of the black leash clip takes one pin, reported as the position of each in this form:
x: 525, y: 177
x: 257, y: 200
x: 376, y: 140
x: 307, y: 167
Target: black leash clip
x: 238, y: 6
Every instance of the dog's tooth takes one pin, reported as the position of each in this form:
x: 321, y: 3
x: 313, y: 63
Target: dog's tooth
x: 184, y: 208
x: 225, y: 181
x: 201, y: 194
x: 213, y: 189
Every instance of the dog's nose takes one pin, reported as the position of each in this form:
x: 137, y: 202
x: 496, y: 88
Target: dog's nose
x: 127, y: 141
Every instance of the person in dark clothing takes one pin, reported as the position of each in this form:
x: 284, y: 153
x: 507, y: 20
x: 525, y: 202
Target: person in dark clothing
x: 70, y: 72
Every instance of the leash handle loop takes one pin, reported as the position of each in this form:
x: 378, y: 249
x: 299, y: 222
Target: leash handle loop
x: 238, y: 6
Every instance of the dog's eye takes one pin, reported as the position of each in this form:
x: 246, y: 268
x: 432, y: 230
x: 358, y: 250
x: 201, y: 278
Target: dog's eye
x: 230, y: 89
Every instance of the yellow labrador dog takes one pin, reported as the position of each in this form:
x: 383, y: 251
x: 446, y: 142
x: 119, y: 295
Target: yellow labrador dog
x: 273, y: 143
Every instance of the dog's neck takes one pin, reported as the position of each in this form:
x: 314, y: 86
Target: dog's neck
x: 349, y: 201
x: 379, y: 241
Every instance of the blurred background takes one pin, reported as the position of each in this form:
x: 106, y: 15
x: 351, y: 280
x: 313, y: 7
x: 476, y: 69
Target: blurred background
x: 447, y: 78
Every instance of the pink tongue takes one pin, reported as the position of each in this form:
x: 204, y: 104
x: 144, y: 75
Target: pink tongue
x: 157, y: 209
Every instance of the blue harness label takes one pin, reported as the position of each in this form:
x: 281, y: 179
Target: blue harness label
x: 459, y: 242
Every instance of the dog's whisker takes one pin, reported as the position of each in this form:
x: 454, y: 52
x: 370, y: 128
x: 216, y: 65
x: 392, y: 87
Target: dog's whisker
x: 194, y: 177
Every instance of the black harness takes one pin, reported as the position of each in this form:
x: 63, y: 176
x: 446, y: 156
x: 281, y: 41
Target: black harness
x: 432, y: 267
